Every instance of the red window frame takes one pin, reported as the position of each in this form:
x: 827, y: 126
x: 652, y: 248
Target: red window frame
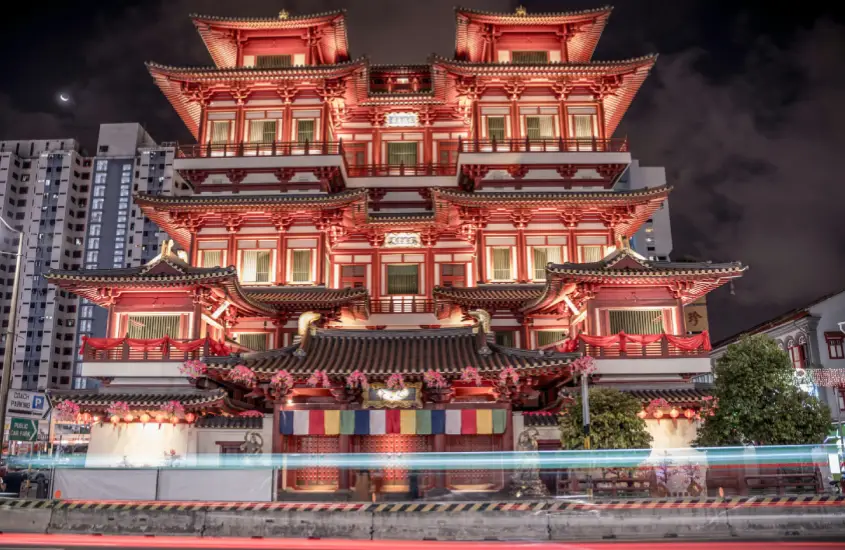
x: 835, y: 346
x: 355, y: 280
x: 798, y: 355
x: 452, y: 280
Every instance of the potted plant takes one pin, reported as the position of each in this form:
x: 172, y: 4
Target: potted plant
x: 437, y: 389
x: 356, y: 384
x: 281, y: 384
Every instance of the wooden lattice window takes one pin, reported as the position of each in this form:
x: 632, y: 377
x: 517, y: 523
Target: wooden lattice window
x: 255, y: 266
x: 402, y: 152
x: 305, y: 130
x: 153, y: 326
x: 541, y: 256
x: 540, y: 127
x: 506, y: 338
x: 638, y: 321
x: 273, y: 61
x: 256, y: 341
x: 501, y: 260
x: 496, y: 128
x: 301, y: 266
x: 212, y: 258
x: 548, y: 337
x: 453, y: 275
x: 220, y: 131
x: 403, y: 279
x: 262, y: 131
x: 530, y: 57
x: 353, y: 276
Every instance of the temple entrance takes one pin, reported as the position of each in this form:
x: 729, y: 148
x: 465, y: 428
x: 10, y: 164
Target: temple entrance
x: 394, y: 446
x: 474, y: 479
x: 317, y: 477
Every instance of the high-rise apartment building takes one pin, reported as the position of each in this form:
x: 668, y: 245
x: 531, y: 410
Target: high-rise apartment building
x: 44, y: 188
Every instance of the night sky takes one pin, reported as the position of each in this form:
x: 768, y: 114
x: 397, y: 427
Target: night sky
x: 745, y: 109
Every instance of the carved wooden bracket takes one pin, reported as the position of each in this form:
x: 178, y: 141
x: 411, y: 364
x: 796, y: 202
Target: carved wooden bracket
x: 195, y: 177
x: 281, y: 222
x: 570, y: 218
x: 514, y: 89
x: 236, y: 176
x: 232, y: 221
x: 517, y: 171
x: 284, y: 175
x: 521, y: 218
x: 567, y: 171
x: 287, y: 92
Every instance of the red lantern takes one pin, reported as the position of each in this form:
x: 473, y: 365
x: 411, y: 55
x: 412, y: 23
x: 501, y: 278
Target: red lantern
x: 642, y: 414
x: 658, y: 414
x: 145, y: 418
x: 114, y: 419
x: 190, y: 417
x: 159, y: 418
x: 674, y: 413
x: 689, y: 413
x: 129, y: 417
x: 174, y: 420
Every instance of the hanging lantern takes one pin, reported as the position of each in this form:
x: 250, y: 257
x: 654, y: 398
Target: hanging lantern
x: 129, y: 417
x: 658, y: 414
x: 96, y: 419
x: 689, y: 413
x: 174, y: 420
x: 114, y: 419
x: 674, y: 413
x: 160, y: 418
x: 190, y: 417
x: 642, y: 414
x: 85, y: 418
x: 145, y: 418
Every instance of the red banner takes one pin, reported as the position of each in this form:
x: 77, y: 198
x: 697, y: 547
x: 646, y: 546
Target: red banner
x: 683, y: 343
x: 159, y: 344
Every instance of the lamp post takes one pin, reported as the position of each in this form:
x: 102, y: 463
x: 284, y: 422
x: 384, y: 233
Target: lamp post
x: 585, y: 415
x: 9, y: 354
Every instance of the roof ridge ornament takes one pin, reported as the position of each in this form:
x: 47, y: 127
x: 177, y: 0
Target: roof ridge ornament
x: 521, y: 11
x: 284, y: 15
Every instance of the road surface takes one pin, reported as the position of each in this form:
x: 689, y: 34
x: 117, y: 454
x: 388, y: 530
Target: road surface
x: 94, y: 542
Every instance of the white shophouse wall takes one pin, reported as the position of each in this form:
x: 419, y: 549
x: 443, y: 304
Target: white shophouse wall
x: 141, y: 444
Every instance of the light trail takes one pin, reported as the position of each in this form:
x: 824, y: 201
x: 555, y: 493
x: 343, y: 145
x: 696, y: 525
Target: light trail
x: 797, y: 455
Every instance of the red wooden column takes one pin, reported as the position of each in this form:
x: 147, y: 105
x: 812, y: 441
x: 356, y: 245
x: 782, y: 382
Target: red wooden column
x: 110, y: 323
x: 321, y: 260
x: 239, y: 125
x: 195, y: 328
x: 280, y: 260
x: 481, y: 275
x: 232, y: 251
x: 521, y: 257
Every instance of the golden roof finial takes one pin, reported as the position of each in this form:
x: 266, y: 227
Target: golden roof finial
x: 521, y: 11
x: 284, y: 14
x: 167, y: 248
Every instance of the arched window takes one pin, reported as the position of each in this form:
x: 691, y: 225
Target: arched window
x: 797, y: 350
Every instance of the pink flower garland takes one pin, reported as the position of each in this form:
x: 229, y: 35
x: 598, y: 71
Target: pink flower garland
x: 509, y: 376
x: 193, y: 368
x: 251, y: 414
x: 357, y: 380
x: 396, y: 382
x: 68, y: 411
x: 242, y: 375
x: 434, y: 380
x: 583, y: 365
x: 470, y: 376
x: 282, y: 381
x: 174, y: 408
x: 118, y: 408
x: 319, y: 379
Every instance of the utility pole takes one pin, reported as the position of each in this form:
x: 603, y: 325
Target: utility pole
x: 9, y: 355
x: 585, y: 413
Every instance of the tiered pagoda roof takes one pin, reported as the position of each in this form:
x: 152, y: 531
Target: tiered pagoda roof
x: 221, y: 34
x: 584, y: 27
x: 379, y: 354
x: 297, y: 299
x: 488, y: 297
x: 194, y: 400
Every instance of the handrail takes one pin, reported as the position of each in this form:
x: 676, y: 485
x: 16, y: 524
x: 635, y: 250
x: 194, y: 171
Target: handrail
x: 401, y: 169
x: 150, y: 349
x: 401, y: 305
x: 247, y: 149
x: 556, y: 145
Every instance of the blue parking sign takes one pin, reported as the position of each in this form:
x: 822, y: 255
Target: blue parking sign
x: 38, y: 402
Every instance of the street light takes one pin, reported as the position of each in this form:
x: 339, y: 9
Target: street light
x: 842, y: 326
x: 8, y: 356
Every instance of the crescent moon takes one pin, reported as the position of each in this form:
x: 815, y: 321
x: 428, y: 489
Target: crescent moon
x: 63, y: 97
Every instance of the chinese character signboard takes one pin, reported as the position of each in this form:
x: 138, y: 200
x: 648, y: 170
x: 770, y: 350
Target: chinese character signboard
x: 401, y: 119
x: 695, y: 316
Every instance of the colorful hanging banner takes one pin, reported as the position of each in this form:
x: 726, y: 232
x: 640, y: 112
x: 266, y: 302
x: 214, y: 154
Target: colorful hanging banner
x: 394, y: 421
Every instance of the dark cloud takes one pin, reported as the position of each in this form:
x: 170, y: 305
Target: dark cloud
x: 744, y: 110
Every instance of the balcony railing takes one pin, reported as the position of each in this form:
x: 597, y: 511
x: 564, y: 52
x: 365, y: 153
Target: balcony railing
x: 402, y: 305
x: 612, y: 145
x: 160, y: 349
x: 270, y: 149
x: 382, y: 170
x: 636, y: 346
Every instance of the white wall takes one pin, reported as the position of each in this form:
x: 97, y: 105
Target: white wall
x: 141, y: 444
x: 671, y: 441
x: 207, y: 439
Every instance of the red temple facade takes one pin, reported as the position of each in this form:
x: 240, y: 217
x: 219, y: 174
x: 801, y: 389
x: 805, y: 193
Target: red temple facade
x: 351, y: 219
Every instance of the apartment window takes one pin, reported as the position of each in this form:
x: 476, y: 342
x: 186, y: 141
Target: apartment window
x: 548, y: 337
x: 638, y: 321
x: 541, y: 256
x: 453, y: 275
x: 153, y: 326
x: 591, y: 253
x: 272, y: 61
x: 212, y: 258
x: 305, y: 129
x: 530, y: 57
x: 262, y: 131
x: 353, y: 276
x: 835, y: 349
x: 403, y: 279
x: 220, y: 132
x: 300, y: 271
x: 501, y: 260
x: 496, y: 128
x: 539, y: 127
x: 402, y: 152
x: 256, y: 341
x: 255, y: 266
x: 506, y: 338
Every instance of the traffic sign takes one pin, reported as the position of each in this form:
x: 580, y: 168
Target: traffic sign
x: 23, y: 429
x: 27, y: 404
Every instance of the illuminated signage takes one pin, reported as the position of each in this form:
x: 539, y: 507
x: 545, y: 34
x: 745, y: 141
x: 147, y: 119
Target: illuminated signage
x: 401, y: 119
x: 402, y: 240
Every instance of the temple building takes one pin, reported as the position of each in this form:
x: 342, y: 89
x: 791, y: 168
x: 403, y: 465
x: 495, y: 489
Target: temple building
x: 391, y: 259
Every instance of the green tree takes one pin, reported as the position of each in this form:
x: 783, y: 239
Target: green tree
x: 758, y: 402
x: 614, y: 423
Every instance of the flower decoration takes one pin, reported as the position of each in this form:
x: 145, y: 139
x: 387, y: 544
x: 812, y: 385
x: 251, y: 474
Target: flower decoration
x: 319, y: 379
x: 708, y: 405
x: 251, y: 414
x: 655, y: 404
x: 357, y: 380
x: 118, y: 408
x: 434, y: 380
x: 282, y: 381
x: 193, y: 368
x: 470, y: 376
x: 242, y: 375
x: 509, y: 376
x: 583, y: 365
x: 68, y: 411
x: 396, y: 382
x: 174, y: 408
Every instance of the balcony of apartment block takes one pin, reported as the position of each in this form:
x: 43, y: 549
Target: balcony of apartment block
x: 266, y: 166
x: 161, y: 357
x: 541, y: 162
